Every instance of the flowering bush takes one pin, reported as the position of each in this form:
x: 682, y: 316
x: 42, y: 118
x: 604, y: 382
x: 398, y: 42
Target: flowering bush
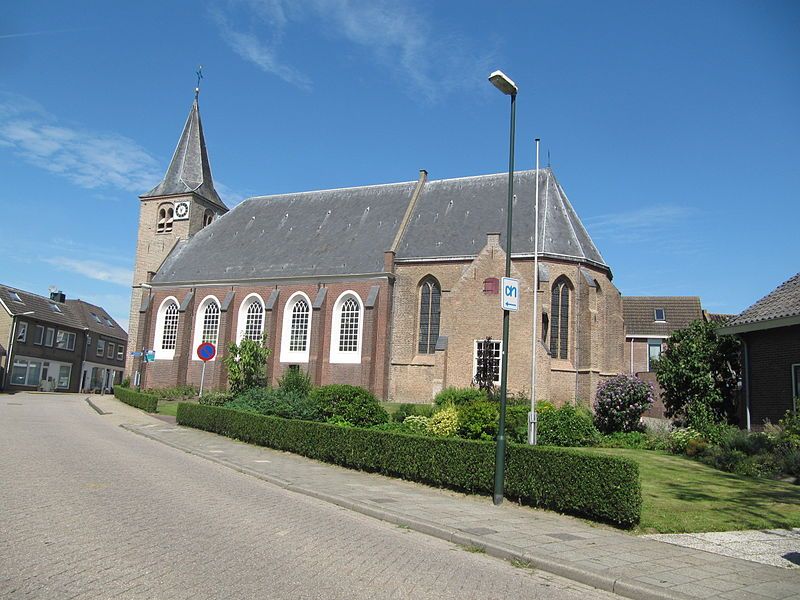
x: 444, y: 423
x: 416, y: 424
x: 620, y: 402
x: 679, y: 439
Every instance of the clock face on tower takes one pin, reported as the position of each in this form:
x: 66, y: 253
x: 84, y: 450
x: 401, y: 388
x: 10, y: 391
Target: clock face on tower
x: 181, y: 211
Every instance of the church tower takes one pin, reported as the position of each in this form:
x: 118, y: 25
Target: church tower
x: 181, y: 205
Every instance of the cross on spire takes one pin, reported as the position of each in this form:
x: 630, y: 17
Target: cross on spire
x: 199, y: 74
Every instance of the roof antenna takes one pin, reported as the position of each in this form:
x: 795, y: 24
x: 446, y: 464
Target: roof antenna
x: 548, y: 159
x: 199, y: 74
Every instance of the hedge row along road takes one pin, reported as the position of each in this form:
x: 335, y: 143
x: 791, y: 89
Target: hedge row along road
x: 602, y: 488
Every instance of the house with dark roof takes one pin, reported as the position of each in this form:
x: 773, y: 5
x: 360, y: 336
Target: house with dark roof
x: 393, y: 287
x: 770, y: 334
x: 55, y: 344
x: 649, y: 323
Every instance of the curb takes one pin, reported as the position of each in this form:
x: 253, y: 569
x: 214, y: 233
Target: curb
x: 620, y: 586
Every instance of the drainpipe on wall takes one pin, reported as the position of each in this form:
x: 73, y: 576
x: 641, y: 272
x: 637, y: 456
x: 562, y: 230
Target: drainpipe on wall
x: 746, y: 383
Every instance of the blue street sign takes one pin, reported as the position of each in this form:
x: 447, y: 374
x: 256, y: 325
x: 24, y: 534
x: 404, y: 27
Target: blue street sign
x: 206, y: 351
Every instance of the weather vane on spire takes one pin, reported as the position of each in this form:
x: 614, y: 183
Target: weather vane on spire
x: 199, y: 73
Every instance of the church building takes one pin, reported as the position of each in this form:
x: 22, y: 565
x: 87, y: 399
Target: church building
x: 392, y: 287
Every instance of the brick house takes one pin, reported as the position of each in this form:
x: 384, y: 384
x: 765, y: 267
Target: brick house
x: 57, y: 344
x: 392, y: 287
x: 770, y: 334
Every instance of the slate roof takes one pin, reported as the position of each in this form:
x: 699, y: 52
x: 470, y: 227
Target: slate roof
x: 75, y: 314
x: 189, y: 170
x: 638, y: 313
x: 329, y: 232
x: 781, y: 304
x: 453, y: 216
x: 106, y: 325
x: 346, y: 231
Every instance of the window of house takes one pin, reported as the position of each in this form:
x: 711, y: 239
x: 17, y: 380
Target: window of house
x: 64, y: 373
x: 660, y: 315
x: 210, y: 323
x: 111, y: 350
x: 26, y: 372
x: 101, y: 347
x: 430, y: 298
x: 55, y: 308
x: 22, y: 331
x: 166, y: 334
x: 15, y: 296
x: 120, y: 352
x: 49, y: 337
x: 491, y: 286
x: 346, y: 329
x: 65, y: 340
x: 559, y: 319
x: 108, y: 321
x: 491, y: 349
x: 251, y: 318
x: 296, y: 329
x: 38, y: 337
x: 796, y: 385
x: 653, y: 353
x: 96, y: 318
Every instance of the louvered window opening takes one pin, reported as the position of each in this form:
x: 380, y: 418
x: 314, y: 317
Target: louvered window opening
x: 210, y: 323
x: 170, y: 334
x: 165, y: 218
x: 348, y: 326
x: 254, y: 321
x: 559, y: 322
x: 429, y: 313
x: 298, y: 335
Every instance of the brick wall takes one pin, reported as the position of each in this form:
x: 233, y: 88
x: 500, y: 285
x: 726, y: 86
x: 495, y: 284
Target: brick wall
x: 772, y: 353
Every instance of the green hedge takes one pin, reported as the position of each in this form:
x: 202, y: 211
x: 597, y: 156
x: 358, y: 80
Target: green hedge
x: 603, y: 488
x: 146, y: 402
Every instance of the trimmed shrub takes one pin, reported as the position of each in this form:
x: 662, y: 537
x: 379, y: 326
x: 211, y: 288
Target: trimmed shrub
x: 567, y: 426
x: 142, y: 400
x: 620, y: 402
x: 351, y: 403
x: 179, y: 392
x: 444, y: 423
x: 603, y: 488
x: 407, y: 410
x: 215, y: 398
x: 269, y: 401
x: 478, y: 420
x: 459, y: 396
x: 294, y: 380
x: 517, y: 423
x: 416, y: 424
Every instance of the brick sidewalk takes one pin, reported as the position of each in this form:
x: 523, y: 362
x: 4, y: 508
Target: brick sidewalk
x: 593, y: 554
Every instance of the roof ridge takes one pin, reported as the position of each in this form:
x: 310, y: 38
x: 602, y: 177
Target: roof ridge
x: 341, y: 189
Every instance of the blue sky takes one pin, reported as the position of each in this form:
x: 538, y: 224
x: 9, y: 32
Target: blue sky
x: 673, y: 127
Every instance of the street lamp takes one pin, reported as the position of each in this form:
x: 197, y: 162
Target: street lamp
x: 502, y: 82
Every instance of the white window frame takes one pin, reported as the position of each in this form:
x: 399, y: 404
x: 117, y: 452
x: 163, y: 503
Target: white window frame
x: 655, y: 315
x: 241, y: 320
x: 22, y: 332
x: 120, y: 352
x: 68, y: 338
x: 38, y: 339
x: 475, y: 359
x: 351, y: 356
x: 158, y: 339
x: 101, y: 348
x: 295, y: 356
x: 653, y: 342
x: 50, y: 337
x: 111, y: 350
x: 198, y: 326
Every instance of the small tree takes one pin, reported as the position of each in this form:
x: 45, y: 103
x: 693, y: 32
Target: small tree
x: 699, y: 368
x: 247, y: 363
x: 485, y: 368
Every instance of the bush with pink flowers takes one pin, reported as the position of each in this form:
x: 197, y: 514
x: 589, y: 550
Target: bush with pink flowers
x: 620, y: 402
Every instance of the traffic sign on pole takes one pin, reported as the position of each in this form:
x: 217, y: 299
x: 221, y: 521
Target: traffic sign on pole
x: 206, y: 351
x: 509, y: 300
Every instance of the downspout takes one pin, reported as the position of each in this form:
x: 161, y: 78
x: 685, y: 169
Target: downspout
x: 83, y: 362
x: 9, y: 359
x: 632, y: 356
x: 746, y: 357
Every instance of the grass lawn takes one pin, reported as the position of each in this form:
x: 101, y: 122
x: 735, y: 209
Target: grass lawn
x: 681, y: 495
x: 167, y: 407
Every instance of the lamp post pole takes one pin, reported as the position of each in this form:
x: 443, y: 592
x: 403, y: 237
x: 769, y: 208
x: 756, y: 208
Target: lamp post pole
x: 505, y: 85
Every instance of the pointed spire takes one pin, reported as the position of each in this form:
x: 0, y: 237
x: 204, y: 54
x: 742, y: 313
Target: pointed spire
x: 189, y: 169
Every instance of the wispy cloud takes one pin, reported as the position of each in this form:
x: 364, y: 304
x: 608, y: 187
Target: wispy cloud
x: 87, y: 158
x: 94, y: 269
x: 639, y: 225
x: 6, y: 36
x: 397, y: 36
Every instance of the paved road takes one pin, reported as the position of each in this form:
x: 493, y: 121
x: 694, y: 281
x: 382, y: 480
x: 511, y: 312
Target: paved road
x: 88, y: 510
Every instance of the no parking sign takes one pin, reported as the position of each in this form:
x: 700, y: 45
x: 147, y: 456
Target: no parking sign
x: 206, y: 351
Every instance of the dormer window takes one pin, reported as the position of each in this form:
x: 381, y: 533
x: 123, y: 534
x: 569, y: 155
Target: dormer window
x: 660, y: 316
x: 15, y: 297
x: 55, y: 308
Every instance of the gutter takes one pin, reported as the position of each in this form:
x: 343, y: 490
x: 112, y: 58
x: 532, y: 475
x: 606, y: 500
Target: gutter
x: 760, y: 325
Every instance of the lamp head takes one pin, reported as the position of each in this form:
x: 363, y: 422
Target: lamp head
x: 503, y: 83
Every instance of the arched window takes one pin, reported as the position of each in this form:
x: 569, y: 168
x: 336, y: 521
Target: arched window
x: 559, y: 319
x: 166, y: 334
x: 430, y: 297
x: 296, y: 329
x: 166, y: 214
x: 206, y: 325
x: 208, y: 217
x: 251, y: 318
x: 346, y: 329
